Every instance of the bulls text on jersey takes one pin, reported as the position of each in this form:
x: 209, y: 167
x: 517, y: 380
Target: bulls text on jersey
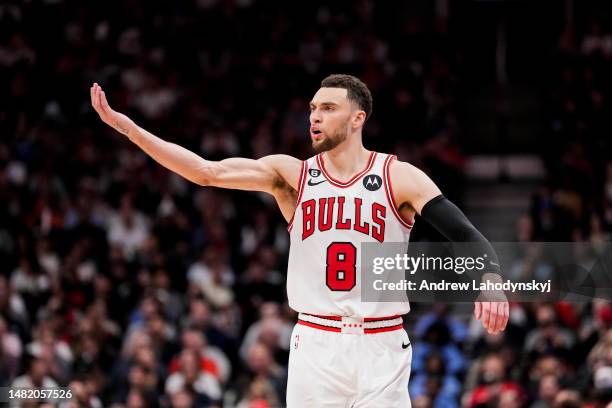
x: 327, y: 213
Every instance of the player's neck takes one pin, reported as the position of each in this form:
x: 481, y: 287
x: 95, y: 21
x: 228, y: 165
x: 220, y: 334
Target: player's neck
x: 346, y: 159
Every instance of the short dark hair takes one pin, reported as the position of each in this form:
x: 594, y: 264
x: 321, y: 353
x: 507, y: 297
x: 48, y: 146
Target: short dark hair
x: 356, y: 90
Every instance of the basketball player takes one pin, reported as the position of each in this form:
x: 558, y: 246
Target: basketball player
x: 344, y: 352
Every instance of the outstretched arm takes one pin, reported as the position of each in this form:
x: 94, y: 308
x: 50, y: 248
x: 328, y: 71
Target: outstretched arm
x: 417, y: 193
x: 274, y: 174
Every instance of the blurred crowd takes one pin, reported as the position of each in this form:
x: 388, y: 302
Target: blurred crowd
x: 134, y: 288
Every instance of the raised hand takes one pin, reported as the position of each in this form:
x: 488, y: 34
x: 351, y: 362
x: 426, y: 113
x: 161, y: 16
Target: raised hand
x: 118, y: 121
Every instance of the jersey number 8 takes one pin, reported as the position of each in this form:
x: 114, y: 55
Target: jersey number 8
x: 341, y: 270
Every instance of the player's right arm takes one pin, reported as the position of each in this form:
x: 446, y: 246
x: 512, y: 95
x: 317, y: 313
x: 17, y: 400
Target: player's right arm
x: 276, y: 174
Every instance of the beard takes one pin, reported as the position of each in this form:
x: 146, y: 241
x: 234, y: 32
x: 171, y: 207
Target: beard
x: 331, y: 141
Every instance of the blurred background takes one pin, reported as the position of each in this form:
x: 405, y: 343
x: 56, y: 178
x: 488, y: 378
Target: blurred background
x: 136, y: 288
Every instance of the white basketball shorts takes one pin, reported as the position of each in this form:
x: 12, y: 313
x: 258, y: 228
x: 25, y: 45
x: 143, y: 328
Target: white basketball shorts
x: 343, y: 362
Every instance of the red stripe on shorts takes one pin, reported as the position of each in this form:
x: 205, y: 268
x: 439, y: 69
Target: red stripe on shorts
x: 320, y: 326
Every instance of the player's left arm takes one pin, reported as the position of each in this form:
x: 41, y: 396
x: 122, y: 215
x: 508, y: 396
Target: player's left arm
x: 414, y: 192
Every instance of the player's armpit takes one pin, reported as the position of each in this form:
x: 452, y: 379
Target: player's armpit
x: 411, y: 187
x: 277, y: 175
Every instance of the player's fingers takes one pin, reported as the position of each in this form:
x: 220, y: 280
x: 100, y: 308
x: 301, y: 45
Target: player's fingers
x: 493, y: 318
x: 477, y: 310
x: 500, y: 316
x: 506, y: 315
x: 100, y: 107
x: 91, y: 94
x: 97, y: 95
x: 486, y: 314
x: 105, y: 104
x: 97, y: 100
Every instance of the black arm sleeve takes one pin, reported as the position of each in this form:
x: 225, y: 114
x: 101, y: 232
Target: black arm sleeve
x: 450, y: 221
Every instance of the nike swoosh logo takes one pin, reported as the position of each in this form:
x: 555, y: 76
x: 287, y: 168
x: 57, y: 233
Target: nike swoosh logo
x: 405, y: 346
x: 494, y: 264
x: 310, y: 183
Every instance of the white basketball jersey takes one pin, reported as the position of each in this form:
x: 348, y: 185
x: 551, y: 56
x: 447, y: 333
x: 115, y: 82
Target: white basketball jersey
x: 331, y: 220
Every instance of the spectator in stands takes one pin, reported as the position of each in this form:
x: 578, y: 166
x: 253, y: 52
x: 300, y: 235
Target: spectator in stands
x: 81, y: 396
x: 436, y: 339
x: 200, y: 318
x: 271, y: 329
x: 262, y: 376
x: 212, y: 360
x: 31, y: 283
x: 199, y: 272
x: 36, y: 376
x: 182, y: 399
x: 493, y: 383
x: 12, y: 307
x: 568, y: 399
x: 549, y: 336
x: 54, y: 351
x: 260, y: 394
x: 443, y: 388
x: 548, y: 388
x: 10, y: 353
x: 128, y: 228
x: 190, y: 376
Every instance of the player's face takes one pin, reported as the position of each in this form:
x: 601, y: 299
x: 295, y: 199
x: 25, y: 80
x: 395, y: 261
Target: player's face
x: 330, y: 117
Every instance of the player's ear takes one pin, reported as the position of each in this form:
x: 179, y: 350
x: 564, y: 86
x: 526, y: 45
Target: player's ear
x: 359, y: 117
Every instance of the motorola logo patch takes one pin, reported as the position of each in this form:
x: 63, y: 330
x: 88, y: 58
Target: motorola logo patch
x: 314, y: 172
x: 372, y: 182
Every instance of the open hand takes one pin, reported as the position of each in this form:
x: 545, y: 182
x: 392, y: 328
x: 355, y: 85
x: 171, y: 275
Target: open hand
x: 493, y: 315
x: 116, y: 120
